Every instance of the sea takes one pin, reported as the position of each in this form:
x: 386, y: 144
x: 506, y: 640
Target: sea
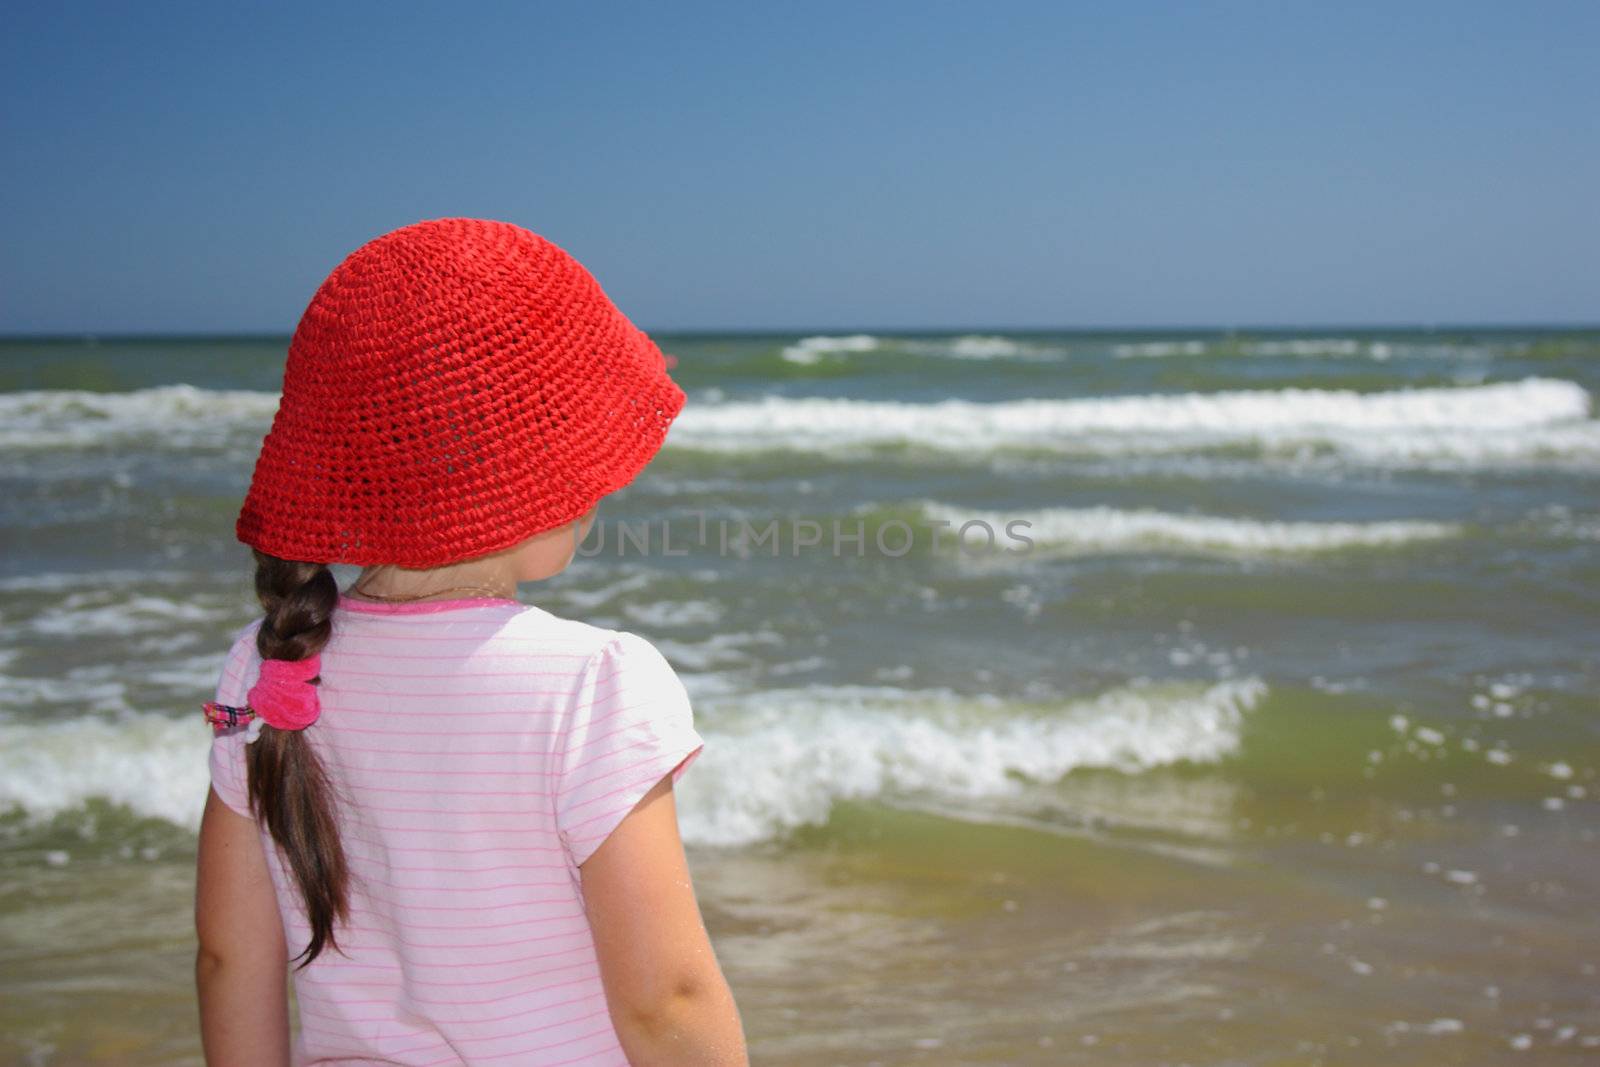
x: 1127, y: 698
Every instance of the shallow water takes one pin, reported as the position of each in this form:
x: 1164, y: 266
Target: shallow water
x: 1278, y: 744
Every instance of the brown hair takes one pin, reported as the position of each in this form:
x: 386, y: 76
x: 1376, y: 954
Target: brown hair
x: 289, y: 790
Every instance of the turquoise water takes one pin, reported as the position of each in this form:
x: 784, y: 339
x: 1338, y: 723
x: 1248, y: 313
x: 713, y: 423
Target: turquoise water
x: 1276, y: 743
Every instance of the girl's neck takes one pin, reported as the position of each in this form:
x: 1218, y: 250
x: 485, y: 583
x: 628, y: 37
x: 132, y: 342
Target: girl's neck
x: 424, y: 588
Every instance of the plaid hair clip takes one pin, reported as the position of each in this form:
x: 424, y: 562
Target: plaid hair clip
x: 283, y: 698
x: 226, y: 719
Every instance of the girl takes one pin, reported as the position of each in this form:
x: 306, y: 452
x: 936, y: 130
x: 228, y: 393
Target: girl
x: 451, y: 812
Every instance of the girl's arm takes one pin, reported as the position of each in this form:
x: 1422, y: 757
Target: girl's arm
x: 242, y: 964
x: 669, y: 1001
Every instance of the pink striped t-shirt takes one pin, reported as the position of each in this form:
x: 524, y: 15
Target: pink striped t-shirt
x: 482, y: 749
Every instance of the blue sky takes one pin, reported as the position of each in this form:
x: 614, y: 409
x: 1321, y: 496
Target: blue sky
x: 819, y: 166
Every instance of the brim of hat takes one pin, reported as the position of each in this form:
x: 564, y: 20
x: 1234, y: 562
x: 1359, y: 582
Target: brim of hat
x: 620, y: 450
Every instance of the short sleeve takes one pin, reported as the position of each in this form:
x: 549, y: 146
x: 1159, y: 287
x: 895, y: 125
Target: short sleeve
x: 227, y: 760
x: 629, y: 725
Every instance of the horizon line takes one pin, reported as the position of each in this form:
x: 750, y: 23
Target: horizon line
x: 816, y: 331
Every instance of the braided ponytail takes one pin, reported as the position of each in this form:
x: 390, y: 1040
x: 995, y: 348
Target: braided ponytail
x: 289, y: 790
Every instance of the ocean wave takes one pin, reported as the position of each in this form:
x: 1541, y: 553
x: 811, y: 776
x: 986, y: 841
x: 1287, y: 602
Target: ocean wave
x: 982, y: 347
x: 1566, y: 525
x: 976, y: 347
x: 92, y: 614
x: 180, y: 415
x: 1531, y: 420
x: 812, y: 350
x: 1304, y: 348
x: 1108, y: 529
x: 152, y: 764
x: 798, y: 752
x: 1307, y: 346
x: 1159, y: 349
x: 792, y: 755
x: 89, y: 581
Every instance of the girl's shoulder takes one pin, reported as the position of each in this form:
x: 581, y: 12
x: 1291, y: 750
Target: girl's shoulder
x: 597, y: 652
x: 532, y: 618
x: 575, y: 636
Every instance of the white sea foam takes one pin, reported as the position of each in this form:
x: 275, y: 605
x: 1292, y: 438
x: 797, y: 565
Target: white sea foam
x: 809, y: 350
x: 61, y: 581
x: 719, y: 651
x: 106, y: 686
x: 96, y: 613
x: 1158, y: 349
x: 668, y: 614
x: 1531, y: 421
x: 982, y: 347
x: 84, y: 687
x: 800, y: 751
x: 1305, y: 348
x: 785, y: 759
x: 1108, y: 529
x: 153, y: 764
x: 976, y: 347
x: 1534, y: 420
x: 181, y: 415
x: 1308, y: 346
x: 1559, y: 521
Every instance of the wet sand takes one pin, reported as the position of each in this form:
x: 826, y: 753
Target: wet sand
x: 864, y: 944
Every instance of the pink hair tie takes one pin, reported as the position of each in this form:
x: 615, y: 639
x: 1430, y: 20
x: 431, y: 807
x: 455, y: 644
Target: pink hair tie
x: 283, y: 696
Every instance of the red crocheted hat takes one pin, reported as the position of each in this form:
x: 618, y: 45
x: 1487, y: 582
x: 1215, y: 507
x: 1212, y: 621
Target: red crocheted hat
x: 455, y: 387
